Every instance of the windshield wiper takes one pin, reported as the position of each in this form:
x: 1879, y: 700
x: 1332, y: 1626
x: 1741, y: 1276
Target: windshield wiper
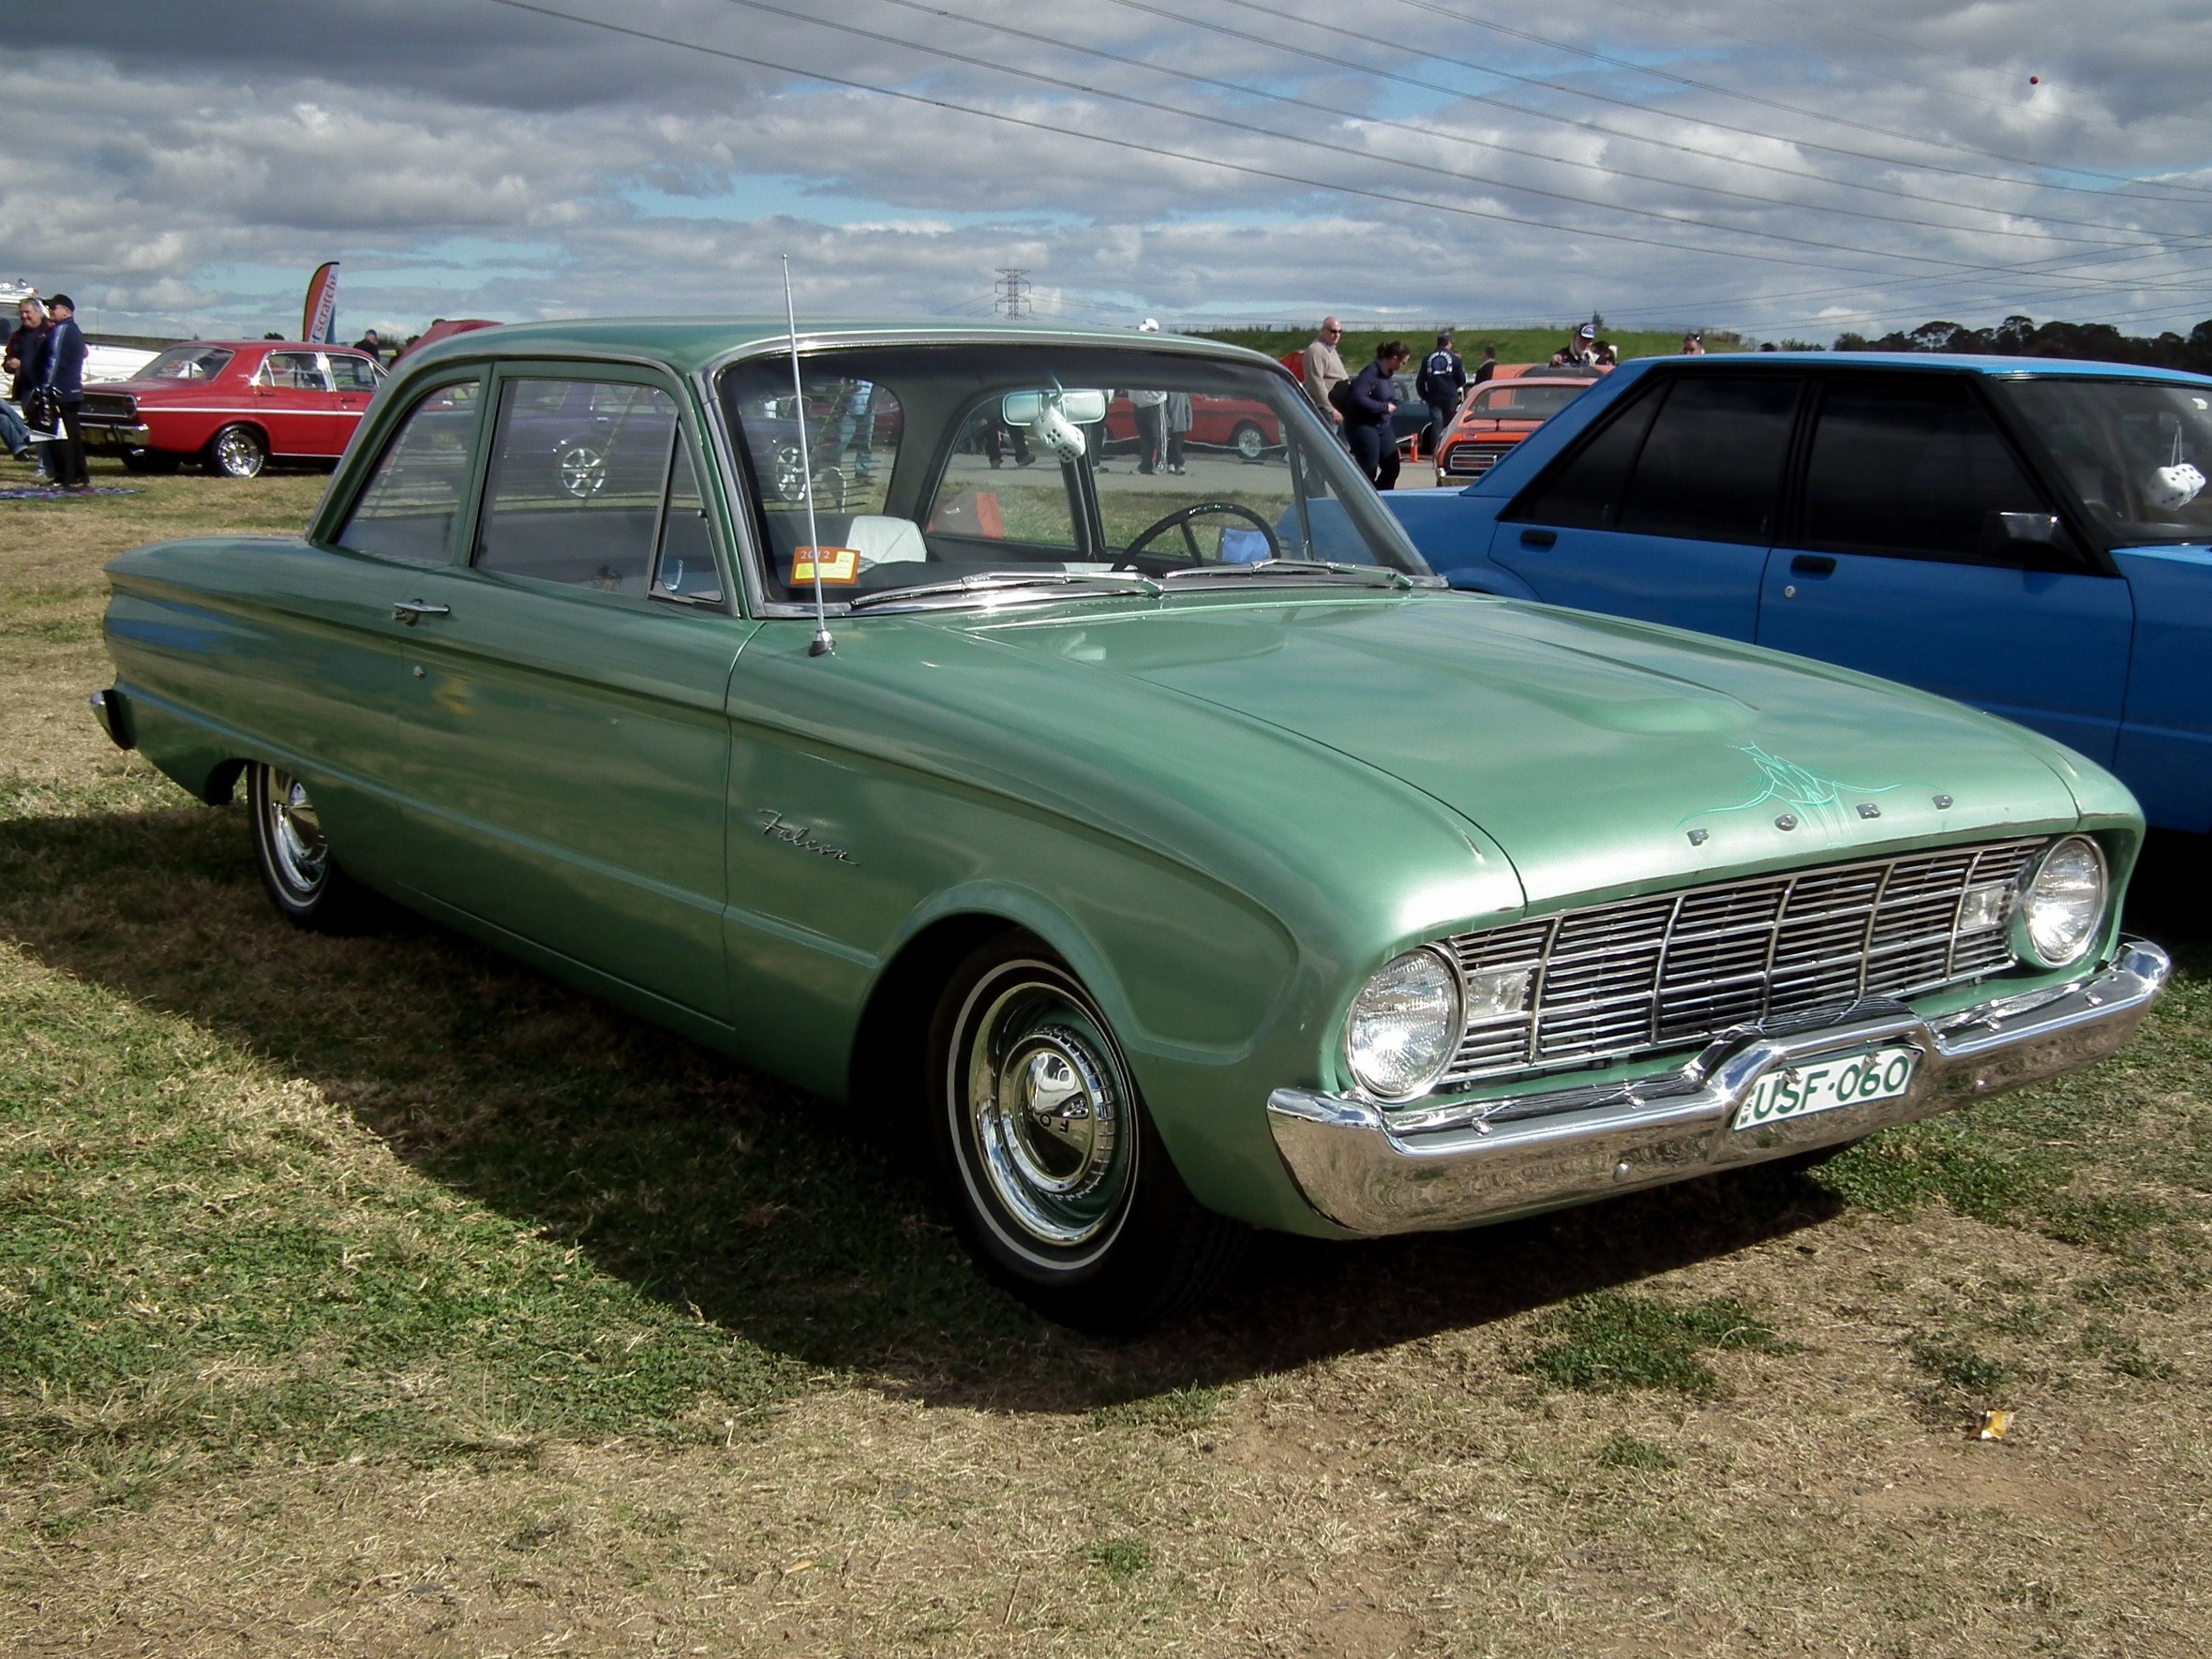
x: 994, y: 581
x: 1373, y: 575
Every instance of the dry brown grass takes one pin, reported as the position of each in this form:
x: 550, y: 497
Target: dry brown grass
x: 1349, y: 1455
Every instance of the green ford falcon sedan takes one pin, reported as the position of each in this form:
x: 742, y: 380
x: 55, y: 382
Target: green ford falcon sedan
x: 1140, y: 823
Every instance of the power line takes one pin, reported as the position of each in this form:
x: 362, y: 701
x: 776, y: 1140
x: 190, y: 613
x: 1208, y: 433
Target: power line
x: 969, y: 59
x: 1367, y: 39
x: 1013, y: 291
x: 1748, y: 97
x: 1491, y: 144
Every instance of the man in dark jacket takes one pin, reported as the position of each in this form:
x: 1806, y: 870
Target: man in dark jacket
x: 1367, y: 406
x: 1443, y: 383
x: 61, y: 376
x: 1487, y: 368
x: 25, y: 354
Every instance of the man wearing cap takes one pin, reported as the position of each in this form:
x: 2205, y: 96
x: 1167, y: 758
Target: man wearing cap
x: 1443, y: 384
x: 1325, y: 371
x: 62, y: 377
x: 1582, y: 346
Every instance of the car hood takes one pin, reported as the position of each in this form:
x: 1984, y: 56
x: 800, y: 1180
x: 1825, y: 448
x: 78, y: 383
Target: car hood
x: 1601, y: 756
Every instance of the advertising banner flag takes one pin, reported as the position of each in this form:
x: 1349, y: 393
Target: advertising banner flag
x: 318, y: 321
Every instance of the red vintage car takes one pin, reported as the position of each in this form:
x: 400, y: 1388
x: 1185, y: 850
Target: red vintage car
x: 234, y: 405
x: 1235, y: 423
x: 1499, y: 412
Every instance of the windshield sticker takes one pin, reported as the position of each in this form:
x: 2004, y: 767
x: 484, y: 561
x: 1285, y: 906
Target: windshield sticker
x: 836, y: 566
x: 1785, y: 783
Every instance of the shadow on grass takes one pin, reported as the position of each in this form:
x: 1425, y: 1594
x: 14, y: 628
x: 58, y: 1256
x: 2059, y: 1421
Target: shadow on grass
x: 791, y: 1225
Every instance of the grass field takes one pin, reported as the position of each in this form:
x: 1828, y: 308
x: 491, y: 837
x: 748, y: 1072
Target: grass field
x: 378, y: 1298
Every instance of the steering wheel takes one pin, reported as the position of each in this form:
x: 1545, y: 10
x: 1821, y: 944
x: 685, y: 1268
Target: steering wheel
x: 1180, y: 519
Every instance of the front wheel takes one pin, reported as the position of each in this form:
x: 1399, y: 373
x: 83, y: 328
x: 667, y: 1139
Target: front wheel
x: 1058, y: 1180
x: 307, y: 884
x: 238, y: 451
x: 1248, y: 440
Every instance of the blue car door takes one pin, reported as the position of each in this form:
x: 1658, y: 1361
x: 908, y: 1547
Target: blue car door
x: 1667, y: 510
x: 1925, y: 551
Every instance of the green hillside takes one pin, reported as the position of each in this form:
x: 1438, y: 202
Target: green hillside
x: 1515, y: 345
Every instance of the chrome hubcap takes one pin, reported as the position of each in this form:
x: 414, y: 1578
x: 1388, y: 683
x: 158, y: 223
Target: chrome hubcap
x: 239, y: 454
x: 295, y: 833
x: 583, y: 470
x: 1047, y: 1112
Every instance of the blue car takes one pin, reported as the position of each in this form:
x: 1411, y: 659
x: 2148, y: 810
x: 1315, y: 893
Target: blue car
x: 2031, y: 537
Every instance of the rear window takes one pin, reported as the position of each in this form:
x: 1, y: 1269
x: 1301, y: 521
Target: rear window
x: 187, y: 362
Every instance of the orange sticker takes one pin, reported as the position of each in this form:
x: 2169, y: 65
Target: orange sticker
x: 839, y: 565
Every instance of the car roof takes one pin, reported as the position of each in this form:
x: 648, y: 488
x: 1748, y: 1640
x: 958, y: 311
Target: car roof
x: 1928, y: 363
x: 688, y: 344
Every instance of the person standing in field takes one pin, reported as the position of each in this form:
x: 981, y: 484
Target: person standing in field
x: 1443, y: 384
x: 25, y: 356
x: 1693, y: 345
x: 1325, y: 371
x: 61, y: 376
x: 1487, y: 367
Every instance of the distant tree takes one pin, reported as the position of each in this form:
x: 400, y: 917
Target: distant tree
x: 271, y: 334
x: 2020, y: 336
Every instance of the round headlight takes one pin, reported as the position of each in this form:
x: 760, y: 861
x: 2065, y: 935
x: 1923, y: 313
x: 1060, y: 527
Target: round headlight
x: 1404, y: 1027
x: 2061, y: 908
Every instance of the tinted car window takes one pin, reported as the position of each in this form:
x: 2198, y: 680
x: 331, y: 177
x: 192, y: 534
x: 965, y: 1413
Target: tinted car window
x: 407, y: 510
x: 1913, y: 468
x: 574, y: 494
x: 1588, y: 492
x: 1710, y: 470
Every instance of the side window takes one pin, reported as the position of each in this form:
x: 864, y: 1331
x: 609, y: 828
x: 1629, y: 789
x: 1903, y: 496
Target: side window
x: 1710, y: 469
x: 574, y: 492
x: 683, y: 567
x: 854, y: 429
x: 293, y: 371
x: 407, y: 510
x: 1914, y: 468
x: 353, y: 374
x: 994, y: 488
x: 1589, y: 490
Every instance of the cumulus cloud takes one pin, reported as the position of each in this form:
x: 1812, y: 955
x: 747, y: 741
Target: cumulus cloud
x: 1769, y: 163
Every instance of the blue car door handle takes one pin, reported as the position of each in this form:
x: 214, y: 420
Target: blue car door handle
x: 1812, y: 564
x: 1539, y: 538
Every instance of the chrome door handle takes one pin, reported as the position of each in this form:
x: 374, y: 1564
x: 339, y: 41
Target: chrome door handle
x: 412, y: 611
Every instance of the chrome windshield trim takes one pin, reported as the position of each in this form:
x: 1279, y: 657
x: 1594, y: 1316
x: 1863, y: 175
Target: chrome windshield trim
x: 984, y: 585
x: 1372, y: 575
x: 1374, y: 1171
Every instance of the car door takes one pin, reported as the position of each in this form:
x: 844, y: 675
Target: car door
x: 353, y: 382
x: 293, y: 398
x: 1925, y: 551
x: 1666, y: 511
x: 563, y: 701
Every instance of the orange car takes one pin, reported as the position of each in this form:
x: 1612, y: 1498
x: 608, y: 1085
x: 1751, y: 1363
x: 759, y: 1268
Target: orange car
x: 1501, y: 411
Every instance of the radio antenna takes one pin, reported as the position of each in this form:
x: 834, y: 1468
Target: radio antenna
x: 823, y: 645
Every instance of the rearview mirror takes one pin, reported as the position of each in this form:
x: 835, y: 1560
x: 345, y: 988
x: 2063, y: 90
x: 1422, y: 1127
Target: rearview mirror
x: 1021, y: 409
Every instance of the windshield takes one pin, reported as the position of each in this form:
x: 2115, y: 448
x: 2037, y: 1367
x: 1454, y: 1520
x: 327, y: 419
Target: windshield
x: 1067, y: 464
x: 2138, y: 452
x: 1522, y: 400
x: 186, y: 363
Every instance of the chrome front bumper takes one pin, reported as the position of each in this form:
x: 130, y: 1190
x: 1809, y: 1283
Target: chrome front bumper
x: 1417, y: 1169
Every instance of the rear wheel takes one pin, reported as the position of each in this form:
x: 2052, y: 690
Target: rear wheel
x: 1058, y: 1179
x: 305, y: 881
x: 238, y: 451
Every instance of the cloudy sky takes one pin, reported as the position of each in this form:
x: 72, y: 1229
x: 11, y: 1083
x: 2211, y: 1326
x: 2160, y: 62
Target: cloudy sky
x: 182, y: 165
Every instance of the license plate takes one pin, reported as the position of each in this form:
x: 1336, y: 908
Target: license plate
x: 1822, y: 1085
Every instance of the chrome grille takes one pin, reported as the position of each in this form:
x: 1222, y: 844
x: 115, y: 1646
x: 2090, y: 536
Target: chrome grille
x: 1676, y: 970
